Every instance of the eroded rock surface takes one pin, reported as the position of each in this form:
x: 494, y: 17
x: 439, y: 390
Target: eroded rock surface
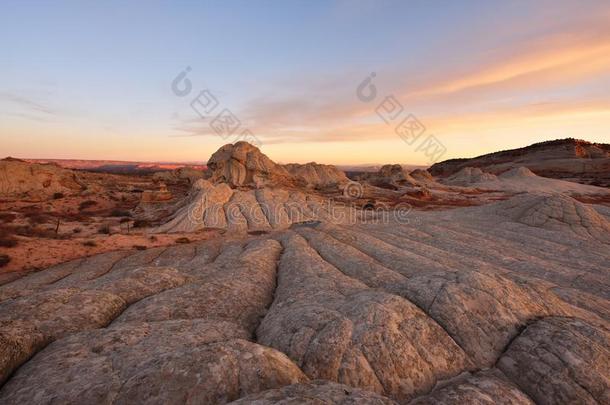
x: 483, y: 388
x: 212, y: 206
x: 338, y: 329
x: 561, y: 360
x: 196, y: 361
x: 315, y: 393
x: 32, y: 181
x: 505, y: 303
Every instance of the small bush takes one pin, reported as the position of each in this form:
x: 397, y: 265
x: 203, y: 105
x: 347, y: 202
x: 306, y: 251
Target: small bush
x: 89, y: 243
x: 153, y: 238
x: 38, y: 218
x: 120, y: 213
x: 86, y: 204
x: 57, y: 196
x: 105, y: 229
x: 183, y: 240
x: 139, y: 247
x: 34, y: 231
x: 76, y: 230
x: 4, y: 260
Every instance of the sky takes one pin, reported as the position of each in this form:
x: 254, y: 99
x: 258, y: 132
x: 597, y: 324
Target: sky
x: 101, y: 80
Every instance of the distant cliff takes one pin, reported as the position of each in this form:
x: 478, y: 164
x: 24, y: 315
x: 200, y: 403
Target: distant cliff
x: 567, y: 159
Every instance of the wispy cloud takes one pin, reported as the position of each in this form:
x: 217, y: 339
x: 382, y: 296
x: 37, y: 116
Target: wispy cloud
x: 26, y: 103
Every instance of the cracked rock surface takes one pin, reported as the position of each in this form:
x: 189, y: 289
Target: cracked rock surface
x: 501, y: 304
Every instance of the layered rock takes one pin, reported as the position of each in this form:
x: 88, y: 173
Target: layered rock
x: 219, y: 206
x: 474, y: 305
x: 566, y: 159
x: 336, y: 328
x: 557, y: 212
x: 485, y: 388
x: 561, y: 360
x: 468, y: 176
x: 242, y: 164
x: 315, y: 393
x: 315, y: 175
x: 154, y: 363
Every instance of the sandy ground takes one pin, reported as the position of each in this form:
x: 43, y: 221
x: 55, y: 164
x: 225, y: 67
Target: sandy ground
x: 32, y: 254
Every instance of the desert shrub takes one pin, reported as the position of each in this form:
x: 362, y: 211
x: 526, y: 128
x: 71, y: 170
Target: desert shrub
x: 57, y: 196
x: 33, y: 231
x: 7, y: 217
x: 105, y: 229
x: 4, y: 260
x: 7, y: 241
x: 76, y: 230
x: 183, y: 240
x: 139, y: 247
x: 89, y: 243
x: 86, y: 204
x: 38, y: 218
x: 120, y: 213
x: 141, y: 223
x: 153, y: 238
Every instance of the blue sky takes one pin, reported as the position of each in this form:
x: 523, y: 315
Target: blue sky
x: 92, y: 79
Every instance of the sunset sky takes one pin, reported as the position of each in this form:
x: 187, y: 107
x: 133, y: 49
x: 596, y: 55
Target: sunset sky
x: 93, y: 80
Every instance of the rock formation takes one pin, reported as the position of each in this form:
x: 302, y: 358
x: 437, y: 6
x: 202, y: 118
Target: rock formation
x: 566, y: 159
x: 314, y: 175
x: 32, y: 181
x: 219, y: 206
x: 160, y: 195
x: 518, y: 180
x: 243, y: 164
x: 505, y: 303
x: 468, y: 176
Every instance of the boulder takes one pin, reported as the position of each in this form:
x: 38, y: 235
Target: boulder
x: 242, y: 164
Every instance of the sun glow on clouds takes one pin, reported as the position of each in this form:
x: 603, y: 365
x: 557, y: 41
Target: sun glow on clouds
x: 534, y: 79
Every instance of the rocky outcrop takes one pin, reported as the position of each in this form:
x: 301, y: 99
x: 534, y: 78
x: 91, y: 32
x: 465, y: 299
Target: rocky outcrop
x: 489, y: 387
x: 315, y: 393
x: 422, y: 176
x: 566, y: 159
x: 471, y: 305
x: 183, y: 173
x: 211, y: 205
x: 32, y: 181
x: 315, y: 175
x: 560, y: 360
x: 518, y: 180
x: 468, y: 176
x: 154, y: 196
x: 242, y: 164
x: 153, y: 363
x: 557, y: 212
x: 336, y: 328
